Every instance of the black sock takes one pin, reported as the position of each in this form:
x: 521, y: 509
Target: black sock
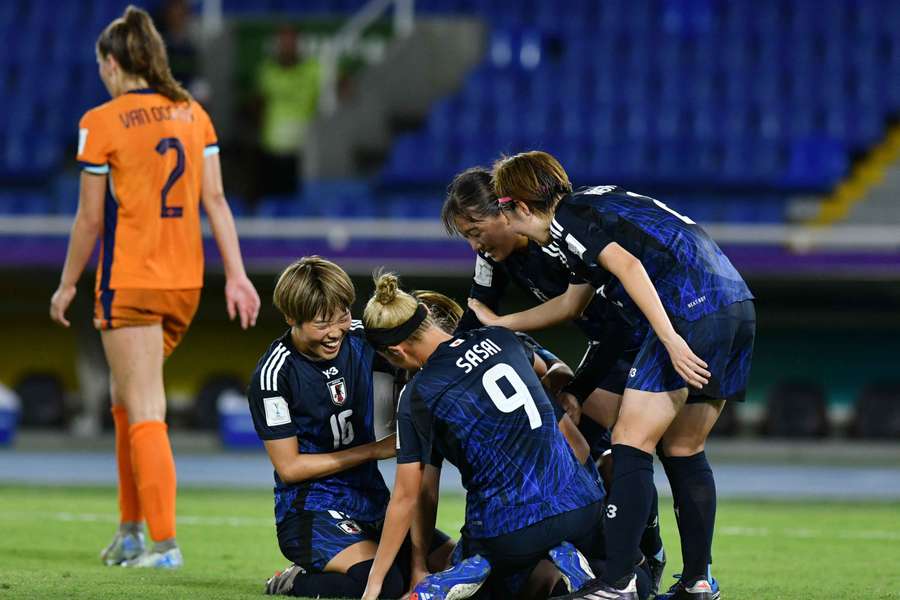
x: 393, y: 585
x: 626, y: 511
x: 351, y: 584
x: 330, y: 585
x: 692, y: 477
x: 651, y: 542
x: 670, y: 475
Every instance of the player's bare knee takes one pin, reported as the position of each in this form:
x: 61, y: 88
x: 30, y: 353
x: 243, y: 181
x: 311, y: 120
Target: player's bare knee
x: 683, y: 446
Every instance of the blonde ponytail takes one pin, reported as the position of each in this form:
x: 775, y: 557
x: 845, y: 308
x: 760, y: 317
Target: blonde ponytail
x: 390, y: 306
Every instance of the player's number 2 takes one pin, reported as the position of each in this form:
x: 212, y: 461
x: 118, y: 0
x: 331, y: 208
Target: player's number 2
x: 521, y: 397
x: 164, y: 145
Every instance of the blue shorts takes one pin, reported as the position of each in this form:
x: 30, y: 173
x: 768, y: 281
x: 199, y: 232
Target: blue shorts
x: 616, y: 379
x: 723, y: 339
x: 514, y: 555
x: 312, y: 538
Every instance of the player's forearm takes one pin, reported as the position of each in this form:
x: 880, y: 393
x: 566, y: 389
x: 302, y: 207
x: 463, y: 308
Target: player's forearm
x: 224, y: 231
x: 316, y: 466
x: 550, y: 313
x: 640, y: 288
x: 81, y: 245
x: 560, y: 309
x: 397, y: 522
x: 422, y: 528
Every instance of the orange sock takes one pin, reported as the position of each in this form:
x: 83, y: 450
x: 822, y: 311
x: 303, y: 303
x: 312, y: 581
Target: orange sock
x: 154, y: 472
x: 129, y: 504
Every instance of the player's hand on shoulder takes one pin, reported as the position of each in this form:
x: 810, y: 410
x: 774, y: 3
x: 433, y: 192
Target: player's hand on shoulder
x: 242, y: 300
x: 60, y: 302
x: 690, y: 366
x: 484, y: 314
x: 386, y: 447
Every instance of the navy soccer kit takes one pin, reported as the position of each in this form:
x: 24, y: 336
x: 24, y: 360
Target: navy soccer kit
x: 704, y: 295
x: 328, y: 406
x: 538, y: 271
x: 478, y: 403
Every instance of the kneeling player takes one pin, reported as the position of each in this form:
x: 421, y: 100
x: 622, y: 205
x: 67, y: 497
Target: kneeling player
x: 312, y: 400
x: 477, y: 401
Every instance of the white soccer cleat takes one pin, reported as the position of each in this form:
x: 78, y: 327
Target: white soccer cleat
x: 170, y: 559
x: 124, y: 546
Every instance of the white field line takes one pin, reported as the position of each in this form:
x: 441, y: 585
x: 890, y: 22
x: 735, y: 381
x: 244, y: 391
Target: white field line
x: 799, y: 533
x: 225, y: 521
x: 201, y: 521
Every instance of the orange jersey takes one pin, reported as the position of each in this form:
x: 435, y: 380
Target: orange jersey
x: 153, y: 150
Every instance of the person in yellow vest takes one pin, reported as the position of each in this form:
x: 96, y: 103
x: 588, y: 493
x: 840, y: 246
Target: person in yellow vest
x: 288, y: 86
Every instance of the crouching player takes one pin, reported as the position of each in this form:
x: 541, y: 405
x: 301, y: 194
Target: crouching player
x: 477, y: 401
x: 312, y: 402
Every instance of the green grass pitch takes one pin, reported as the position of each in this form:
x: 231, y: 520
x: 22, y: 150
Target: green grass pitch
x: 50, y: 538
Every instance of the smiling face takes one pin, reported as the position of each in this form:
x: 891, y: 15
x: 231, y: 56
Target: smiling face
x: 322, y: 337
x: 492, y: 235
x: 528, y: 223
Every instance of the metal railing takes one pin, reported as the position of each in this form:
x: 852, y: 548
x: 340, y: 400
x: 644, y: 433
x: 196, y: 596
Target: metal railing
x: 349, y: 34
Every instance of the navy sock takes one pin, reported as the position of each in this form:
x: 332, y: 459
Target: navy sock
x: 627, y: 510
x: 351, y: 584
x: 695, y: 500
x: 333, y: 585
x: 651, y: 542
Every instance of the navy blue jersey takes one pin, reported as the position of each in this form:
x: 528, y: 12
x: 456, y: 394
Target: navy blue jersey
x: 538, y: 271
x: 692, y: 276
x: 478, y: 403
x: 328, y: 406
x: 542, y: 272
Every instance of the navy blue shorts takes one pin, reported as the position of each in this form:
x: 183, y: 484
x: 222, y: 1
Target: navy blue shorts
x: 724, y: 339
x: 597, y: 436
x: 312, y: 538
x: 514, y: 555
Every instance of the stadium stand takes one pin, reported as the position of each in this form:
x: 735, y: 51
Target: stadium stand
x: 878, y: 412
x: 693, y: 100
x: 796, y: 409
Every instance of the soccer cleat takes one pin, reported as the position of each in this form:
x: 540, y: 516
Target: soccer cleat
x: 282, y: 582
x: 124, y: 546
x: 576, y: 572
x: 170, y: 559
x: 700, y: 590
x: 656, y: 568
x: 458, y: 582
x: 600, y: 590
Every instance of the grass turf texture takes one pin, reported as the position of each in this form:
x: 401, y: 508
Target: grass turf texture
x: 50, y: 538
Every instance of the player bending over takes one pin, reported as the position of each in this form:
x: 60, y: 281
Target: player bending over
x: 661, y: 268
x: 505, y: 256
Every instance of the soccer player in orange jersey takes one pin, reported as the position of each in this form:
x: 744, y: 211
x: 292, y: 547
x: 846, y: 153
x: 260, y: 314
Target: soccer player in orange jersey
x: 157, y: 150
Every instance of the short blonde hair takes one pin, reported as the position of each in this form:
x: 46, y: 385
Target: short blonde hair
x: 445, y: 311
x: 312, y: 288
x: 536, y: 178
x: 391, y: 307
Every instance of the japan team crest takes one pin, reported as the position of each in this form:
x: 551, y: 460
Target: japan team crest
x: 338, y: 390
x: 350, y: 527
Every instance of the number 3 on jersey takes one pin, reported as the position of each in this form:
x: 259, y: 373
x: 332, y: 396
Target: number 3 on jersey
x: 521, y: 397
x: 164, y: 145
